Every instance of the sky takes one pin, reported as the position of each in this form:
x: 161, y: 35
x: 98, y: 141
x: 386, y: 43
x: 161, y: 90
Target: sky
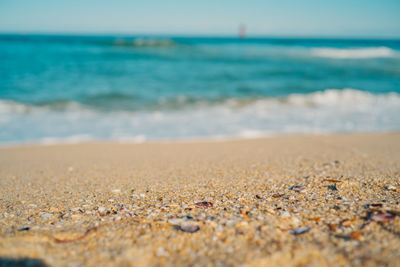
x: 314, y: 18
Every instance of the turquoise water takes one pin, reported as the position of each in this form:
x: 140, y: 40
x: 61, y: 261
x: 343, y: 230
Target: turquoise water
x: 82, y: 88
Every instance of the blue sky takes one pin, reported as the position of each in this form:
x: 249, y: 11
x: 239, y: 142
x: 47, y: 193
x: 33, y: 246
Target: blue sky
x: 351, y: 18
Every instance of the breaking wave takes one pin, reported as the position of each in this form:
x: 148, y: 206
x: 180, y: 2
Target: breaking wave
x: 328, y: 111
x: 354, y: 53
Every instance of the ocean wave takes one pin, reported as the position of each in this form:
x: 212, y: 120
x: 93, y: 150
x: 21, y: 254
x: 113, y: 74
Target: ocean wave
x: 343, y: 97
x: 354, y: 53
x: 328, y: 111
x: 145, y: 42
x: 329, y: 97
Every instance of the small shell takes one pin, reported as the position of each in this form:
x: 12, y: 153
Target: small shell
x: 189, y: 227
x: 382, y: 217
x: 300, y: 230
x: 204, y: 204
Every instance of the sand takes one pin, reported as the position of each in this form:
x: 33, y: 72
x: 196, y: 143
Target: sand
x: 284, y: 201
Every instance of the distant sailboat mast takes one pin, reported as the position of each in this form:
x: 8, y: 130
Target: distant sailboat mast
x: 242, y: 31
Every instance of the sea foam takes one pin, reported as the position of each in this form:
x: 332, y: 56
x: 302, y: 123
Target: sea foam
x: 322, y: 112
x: 354, y: 53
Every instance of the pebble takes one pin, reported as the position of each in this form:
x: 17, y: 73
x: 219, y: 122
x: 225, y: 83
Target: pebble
x: 332, y: 187
x: 300, y: 230
x: 297, y: 188
x: 102, y: 209
x: 382, y: 217
x: 231, y: 223
x: 189, y: 227
x: 77, y: 209
x: 204, y: 204
x: 45, y: 215
x: 161, y: 252
x: 390, y: 187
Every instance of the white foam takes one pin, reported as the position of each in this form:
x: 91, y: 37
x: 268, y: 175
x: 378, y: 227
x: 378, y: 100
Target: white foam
x: 345, y: 97
x: 354, y: 53
x: 73, y: 139
x: 328, y: 111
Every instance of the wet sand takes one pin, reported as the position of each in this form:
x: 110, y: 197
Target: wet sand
x: 285, y: 201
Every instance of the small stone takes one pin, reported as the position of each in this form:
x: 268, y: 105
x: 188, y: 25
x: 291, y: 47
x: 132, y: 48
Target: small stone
x: 161, y: 252
x: 24, y: 229
x: 53, y: 209
x: 259, y: 197
x: 231, y: 223
x: 77, y: 209
x: 390, y: 187
x: 332, y: 180
x: 45, y: 215
x: 300, y: 230
x: 102, y: 209
x: 382, y: 217
x: 356, y: 235
x: 189, y: 227
x: 332, y: 187
x: 348, y: 222
x: 297, y: 188
x: 204, y: 204
x: 116, y: 191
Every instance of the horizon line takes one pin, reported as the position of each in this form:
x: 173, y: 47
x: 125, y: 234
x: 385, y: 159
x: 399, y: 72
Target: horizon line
x: 204, y: 35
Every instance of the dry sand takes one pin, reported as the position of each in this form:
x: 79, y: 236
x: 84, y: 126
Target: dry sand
x: 287, y: 201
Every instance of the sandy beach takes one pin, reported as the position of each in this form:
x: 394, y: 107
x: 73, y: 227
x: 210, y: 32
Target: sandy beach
x: 283, y: 201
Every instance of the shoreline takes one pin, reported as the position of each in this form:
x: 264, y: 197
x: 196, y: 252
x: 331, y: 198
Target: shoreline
x: 326, y: 200
x: 194, y: 140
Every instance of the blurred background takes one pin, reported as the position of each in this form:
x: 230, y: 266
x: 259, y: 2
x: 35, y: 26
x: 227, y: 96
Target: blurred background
x: 131, y: 71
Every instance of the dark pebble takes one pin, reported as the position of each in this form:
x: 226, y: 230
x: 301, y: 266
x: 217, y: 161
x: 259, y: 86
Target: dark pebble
x: 204, y: 204
x: 332, y: 187
x: 300, y: 230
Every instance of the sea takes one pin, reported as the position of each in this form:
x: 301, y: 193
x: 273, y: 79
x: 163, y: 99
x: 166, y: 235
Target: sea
x: 71, y: 89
